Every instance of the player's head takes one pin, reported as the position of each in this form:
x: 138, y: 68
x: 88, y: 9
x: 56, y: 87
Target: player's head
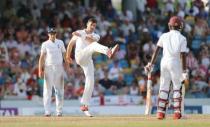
x: 52, y: 33
x: 175, y: 23
x: 91, y: 24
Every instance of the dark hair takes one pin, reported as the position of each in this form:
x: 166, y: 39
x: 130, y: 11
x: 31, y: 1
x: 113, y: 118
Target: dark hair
x: 93, y: 20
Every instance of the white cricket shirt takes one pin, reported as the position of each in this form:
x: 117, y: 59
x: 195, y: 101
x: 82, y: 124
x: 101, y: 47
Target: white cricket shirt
x: 81, y: 43
x: 53, y: 52
x: 173, y: 43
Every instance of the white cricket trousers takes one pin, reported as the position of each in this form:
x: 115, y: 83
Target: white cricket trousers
x: 171, y: 70
x: 84, y: 59
x: 53, y: 77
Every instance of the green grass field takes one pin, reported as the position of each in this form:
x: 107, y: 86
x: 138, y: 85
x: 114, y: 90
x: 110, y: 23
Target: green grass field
x: 104, y: 121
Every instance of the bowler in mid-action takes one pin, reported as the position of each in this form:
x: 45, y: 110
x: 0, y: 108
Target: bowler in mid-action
x: 86, y: 44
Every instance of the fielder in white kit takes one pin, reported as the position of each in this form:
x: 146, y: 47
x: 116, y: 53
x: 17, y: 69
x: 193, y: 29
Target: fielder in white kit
x: 86, y: 44
x: 51, y: 68
x: 173, y: 66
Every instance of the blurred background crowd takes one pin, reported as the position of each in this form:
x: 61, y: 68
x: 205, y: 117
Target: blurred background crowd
x: 23, y: 26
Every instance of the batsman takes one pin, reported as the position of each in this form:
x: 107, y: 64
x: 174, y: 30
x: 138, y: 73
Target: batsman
x: 173, y: 67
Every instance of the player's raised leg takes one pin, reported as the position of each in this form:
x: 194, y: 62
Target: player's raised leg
x: 96, y: 47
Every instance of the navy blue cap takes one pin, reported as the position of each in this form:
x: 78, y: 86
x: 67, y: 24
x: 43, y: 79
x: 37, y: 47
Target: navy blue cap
x: 51, y: 30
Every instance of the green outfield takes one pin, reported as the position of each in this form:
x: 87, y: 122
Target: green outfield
x: 104, y: 121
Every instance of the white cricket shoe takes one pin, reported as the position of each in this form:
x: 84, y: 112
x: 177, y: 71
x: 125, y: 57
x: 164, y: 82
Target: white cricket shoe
x: 111, y: 52
x: 84, y: 108
x: 59, y: 114
x: 47, y: 115
x: 87, y: 113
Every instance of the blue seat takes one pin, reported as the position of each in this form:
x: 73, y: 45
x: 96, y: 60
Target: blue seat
x: 123, y: 63
x: 110, y: 65
x: 98, y: 59
x: 197, y: 37
x: 123, y: 47
x: 208, y: 39
x: 128, y: 79
x: 196, y: 46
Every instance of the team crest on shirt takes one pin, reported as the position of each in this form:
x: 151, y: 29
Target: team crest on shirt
x: 58, y: 46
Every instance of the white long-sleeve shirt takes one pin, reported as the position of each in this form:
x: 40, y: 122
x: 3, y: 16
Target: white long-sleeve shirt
x: 81, y: 43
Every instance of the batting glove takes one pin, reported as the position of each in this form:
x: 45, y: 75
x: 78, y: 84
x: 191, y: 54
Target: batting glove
x: 149, y: 68
x: 185, y: 75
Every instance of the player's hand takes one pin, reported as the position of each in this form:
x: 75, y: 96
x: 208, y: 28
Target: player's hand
x: 41, y: 73
x: 148, y: 68
x: 68, y: 59
x: 185, y: 75
x: 68, y: 69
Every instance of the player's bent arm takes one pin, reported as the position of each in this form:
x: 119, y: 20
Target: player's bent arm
x: 149, y: 67
x: 70, y: 45
x: 155, y: 54
x: 69, y: 48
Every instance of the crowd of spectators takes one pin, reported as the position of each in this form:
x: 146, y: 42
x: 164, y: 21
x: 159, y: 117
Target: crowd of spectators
x: 23, y: 29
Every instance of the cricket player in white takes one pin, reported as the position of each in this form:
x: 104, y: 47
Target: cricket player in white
x: 173, y: 66
x: 51, y: 68
x: 86, y: 44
